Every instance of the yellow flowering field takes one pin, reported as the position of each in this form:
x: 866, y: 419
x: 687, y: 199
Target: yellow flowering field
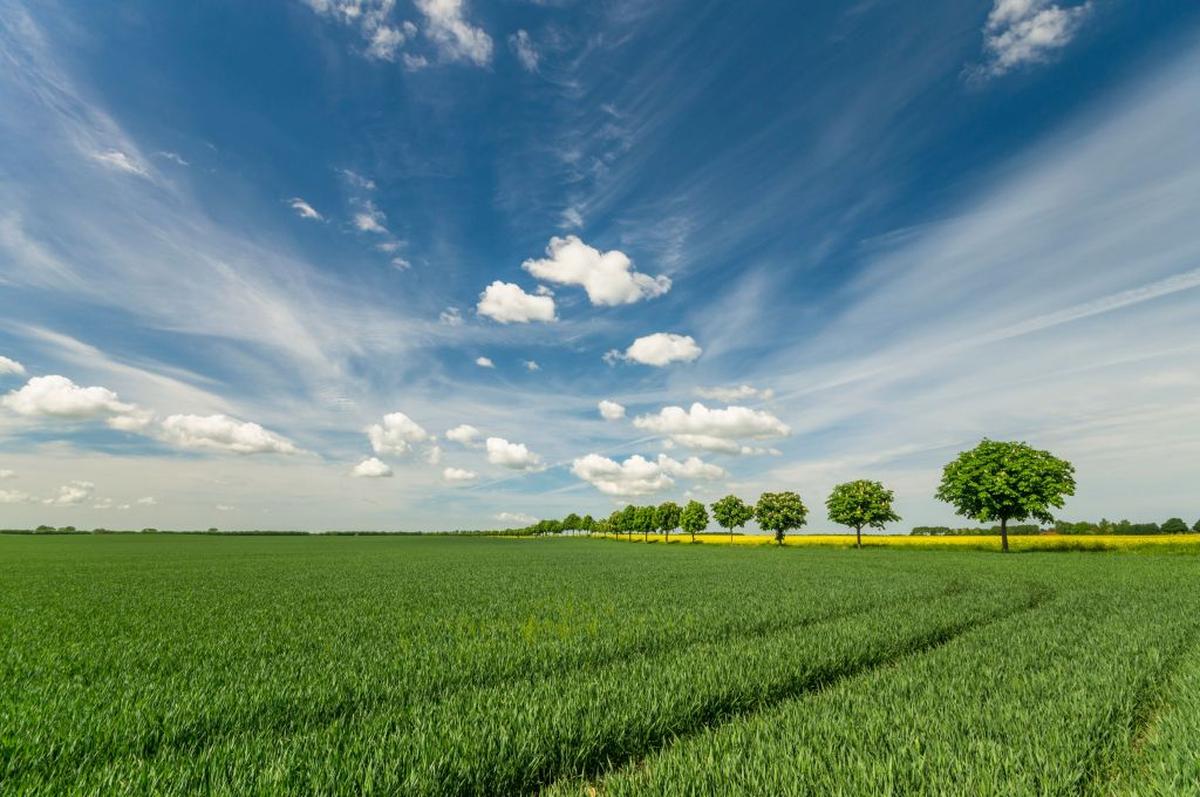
x: 1189, y: 543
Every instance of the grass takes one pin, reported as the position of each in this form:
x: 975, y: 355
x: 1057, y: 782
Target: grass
x: 354, y: 665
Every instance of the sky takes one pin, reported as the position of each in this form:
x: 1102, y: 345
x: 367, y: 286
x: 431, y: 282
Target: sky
x: 438, y: 264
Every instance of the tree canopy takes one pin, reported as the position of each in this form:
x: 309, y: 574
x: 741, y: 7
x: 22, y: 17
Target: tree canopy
x: 861, y: 503
x: 667, y: 517
x: 780, y: 513
x: 732, y: 513
x: 1006, y: 481
x: 694, y: 518
x: 1175, y: 525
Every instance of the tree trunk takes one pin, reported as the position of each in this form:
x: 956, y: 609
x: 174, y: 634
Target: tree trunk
x: 693, y: 536
x: 858, y: 532
x: 1004, y: 534
x: 731, y: 533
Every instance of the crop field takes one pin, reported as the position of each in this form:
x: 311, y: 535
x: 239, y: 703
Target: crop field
x: 1163, y: 543
x: 382, y: 665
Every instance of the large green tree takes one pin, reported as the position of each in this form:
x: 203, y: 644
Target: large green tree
x: 1196, y: 527
x: 1175, y: 525
x: 629, y: 520
x: 572, y: 522
x: 694, y: 518
x: 780, y: 513
x: 732, y: 513
x: 861, y: 503
x: 666, y: 518
x: 1006, y: 481
x: 645, y: 521
x: 587, y: 523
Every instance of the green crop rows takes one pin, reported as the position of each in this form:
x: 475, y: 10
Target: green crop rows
x: 347, y: 665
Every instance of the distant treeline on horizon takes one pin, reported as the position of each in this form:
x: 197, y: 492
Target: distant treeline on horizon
x: 1103, y: 526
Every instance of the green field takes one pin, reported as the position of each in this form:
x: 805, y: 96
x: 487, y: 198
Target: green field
x: 352, y: 665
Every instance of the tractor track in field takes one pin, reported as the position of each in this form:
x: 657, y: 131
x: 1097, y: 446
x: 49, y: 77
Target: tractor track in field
x: 273, y: 716
x: 1103, y: 769
x: 591, y: 782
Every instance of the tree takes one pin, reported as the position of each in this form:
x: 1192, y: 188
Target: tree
x: 646, y: 521
x: 694, y: 518
x: 861, y: 503
x: 588, y: 524
x: 1173, y: 525
x: 1006, y: 481
x: 780, y: 513
x: 666, y: 518
x: 732, y: 513
x: 1196, y: 527
x: 629, y: 521
x: 572, y: 522
x: 616, y: 521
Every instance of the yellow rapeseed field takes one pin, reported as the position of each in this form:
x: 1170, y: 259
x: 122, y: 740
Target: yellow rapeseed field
x: 1042, y: 542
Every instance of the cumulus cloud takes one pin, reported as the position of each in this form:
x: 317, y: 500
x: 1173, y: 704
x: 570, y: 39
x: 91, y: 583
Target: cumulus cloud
x: 451, y: 317
x: 222, y: 433
x: 507, y: 303
x: 511, y: 455
x: 456, y: 39
x: 731, y: 394
x: 304, y: 210
x: 692, y: 468
x: 520, y: 518
x: 372, y: 468
x: 371, y: 219
x: 659, y: 349
x: 635, y: 476
x: 7, y: 473
x: 608, y: 277
x: 57, y: 396
x: 396, y: 435
x: 433, y: 454
x: 383, y: 36
x: 714, y: 429
x: 14, y: 497
x: 115, y: 159
x: 1019, y: 32
x: 10, y: 366
x: 464, y: 434
x: 531, y: 365
x: 611, y: 410
x: 458, y: 475
x: 522, y: 47
x: 485, y: 362
x: 72, y: 493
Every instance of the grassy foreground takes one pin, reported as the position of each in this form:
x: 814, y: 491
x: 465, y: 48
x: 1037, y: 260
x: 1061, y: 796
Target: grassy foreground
x: 382, y: 665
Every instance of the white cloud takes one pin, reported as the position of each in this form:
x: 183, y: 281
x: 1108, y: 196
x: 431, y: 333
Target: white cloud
x: 731, y: 394
x: 396, y: 435
x: 115, y: 159
x: 415, y: 63
x: 304, y: 210
x: 634, y: 476
x: 9, y: 366
x: 531, y: 365
x: 384, y: 42
x: 383, y: 37
x: 14, y: 497
x: 451, y: 317
x: 401, y: 264
x: 7, y: 473
x: 511, y: 455
x: 224, y: 508
x: 147, y: 500
x: 370, y: 219
x: 73, y: 493
x: 433, y: 454
x: 458, y: 475
x: 456, y: 39
x: 522, y: 46
x: 608, y: 277
x: 692, y: 468
x: 464, y: 434
x: 174, y: 157
x: 520, y: 518
x: 59, y: 397
x: 572, y: 218
x: 1020, y: 32
x: 485, y: 362
x: 371, y: 468
x: 222, y: 433
x: 658, y: 349
x: 714, y: 429
x: 357, y: 180
x: 507, y: 303
x: 611, y: 410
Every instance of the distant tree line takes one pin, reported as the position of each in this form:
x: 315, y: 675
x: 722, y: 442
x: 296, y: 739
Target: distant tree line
x: 1173, y: 525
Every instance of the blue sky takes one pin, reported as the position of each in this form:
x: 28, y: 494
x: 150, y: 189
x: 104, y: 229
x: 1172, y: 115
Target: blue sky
x: 373, y: 264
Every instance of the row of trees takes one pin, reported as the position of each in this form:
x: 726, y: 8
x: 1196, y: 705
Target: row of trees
x: 995, y: 481
x: 1173, y: 525
x: 858, y: 504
